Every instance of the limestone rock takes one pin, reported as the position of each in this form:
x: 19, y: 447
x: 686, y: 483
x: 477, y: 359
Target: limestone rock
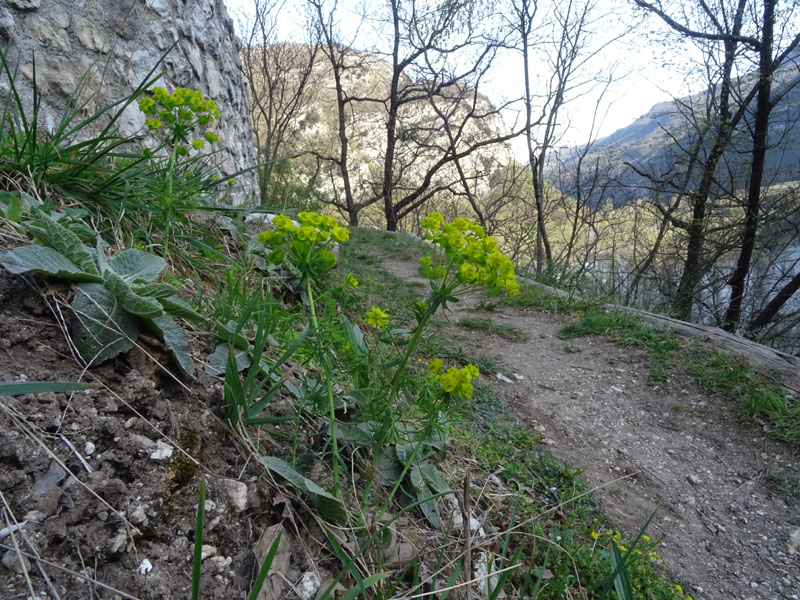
x: 24, y: 4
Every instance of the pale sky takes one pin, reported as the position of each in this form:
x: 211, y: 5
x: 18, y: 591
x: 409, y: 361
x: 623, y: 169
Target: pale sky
x: 642, y: 80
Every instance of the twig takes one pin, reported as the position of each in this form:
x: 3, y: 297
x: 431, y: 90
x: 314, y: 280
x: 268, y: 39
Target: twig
x: 86, y: 465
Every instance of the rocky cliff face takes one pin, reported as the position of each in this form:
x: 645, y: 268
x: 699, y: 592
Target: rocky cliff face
x: 114, y: 44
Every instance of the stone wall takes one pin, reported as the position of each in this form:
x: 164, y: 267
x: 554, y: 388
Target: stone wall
x: 115, y: 43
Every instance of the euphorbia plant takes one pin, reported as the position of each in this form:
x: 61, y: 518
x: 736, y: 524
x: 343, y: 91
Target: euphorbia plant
x: 310, y: 245
x: 186, y: 117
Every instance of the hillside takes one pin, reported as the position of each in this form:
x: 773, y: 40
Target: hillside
x: 422, y: 137
x: 656, y: 142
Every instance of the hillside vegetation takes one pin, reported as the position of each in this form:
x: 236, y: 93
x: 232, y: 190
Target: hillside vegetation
x: 690, y: 209
x: 218, y: 371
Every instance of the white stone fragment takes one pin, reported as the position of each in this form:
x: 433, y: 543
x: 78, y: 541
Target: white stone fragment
x: 145, y: 567
x: 162, y: 451
x: 237, y: 492
x: 308, y: 586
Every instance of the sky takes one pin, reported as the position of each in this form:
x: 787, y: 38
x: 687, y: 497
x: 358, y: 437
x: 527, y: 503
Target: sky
x: 641, y: 77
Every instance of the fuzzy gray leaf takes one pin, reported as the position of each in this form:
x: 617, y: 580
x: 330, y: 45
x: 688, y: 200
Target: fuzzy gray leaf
x: 324, y: 501
x: 68, y: 243
x: 101, y: 328
x: 217, y: 361
x: 141, y: 306
x: 180, y: 308
x: 45, y: 261
x: 134, y: 265
x: 172, y: 335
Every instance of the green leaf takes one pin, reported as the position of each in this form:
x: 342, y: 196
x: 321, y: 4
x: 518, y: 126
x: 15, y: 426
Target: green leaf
x: 66, y: 242
x: 328, y: 505
x: 427, y: 505
x: 45, y: 261
x: 180, y: 308
x: 134, y: 265
x: 15, y: 388
x: 172, y: 335
x: 622, y: 584
x: 230, y: 333
x: 101, y: 328
x: 156, y: 290
x: 362, y: 586
x: 216, y: 361
x: 13, y: 210
x: 141, y: 306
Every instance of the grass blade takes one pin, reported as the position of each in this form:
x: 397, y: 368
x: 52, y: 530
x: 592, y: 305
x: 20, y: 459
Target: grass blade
x: 15, y: 388
x: 262, y: 573
x: 198, y: 539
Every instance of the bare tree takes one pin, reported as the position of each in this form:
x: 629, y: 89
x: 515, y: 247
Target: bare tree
x: 725, y: 34
x: 279, y: 76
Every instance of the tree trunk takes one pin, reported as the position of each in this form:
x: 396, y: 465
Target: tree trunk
x: 760, y: 129
x: 770, y: 310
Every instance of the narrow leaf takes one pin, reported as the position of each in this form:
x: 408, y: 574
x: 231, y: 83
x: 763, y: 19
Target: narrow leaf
x: 622, y: 584
x: 362, y: 587
x: 15, y: 388
x: 197, y: 557
x: 262, y: 573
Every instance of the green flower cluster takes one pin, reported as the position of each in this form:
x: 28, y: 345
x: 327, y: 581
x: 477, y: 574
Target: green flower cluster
x: 473, y: 254
x: 182, y: 112
x: 377, y: 317
x: 455, y: 382
x: 309, y: 241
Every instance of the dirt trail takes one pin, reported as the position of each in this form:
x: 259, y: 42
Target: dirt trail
x: 724, y: 532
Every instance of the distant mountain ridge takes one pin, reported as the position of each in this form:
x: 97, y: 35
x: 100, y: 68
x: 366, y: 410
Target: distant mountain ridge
x: 656, y: 143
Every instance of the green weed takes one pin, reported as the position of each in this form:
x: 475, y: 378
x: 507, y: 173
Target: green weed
x: 761, y: 399
x: 506, y: 332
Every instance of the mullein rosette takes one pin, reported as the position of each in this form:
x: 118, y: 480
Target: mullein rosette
x: 311, y: 241
x: 470, y: 260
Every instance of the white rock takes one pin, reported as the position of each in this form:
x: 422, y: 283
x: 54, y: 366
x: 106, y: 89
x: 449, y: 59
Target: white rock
x: 145, y: 567
x: 162, y: 451
x: 207, y: 551
x: 89, y: 448
x: 308, y: 586
x: 237, y: 492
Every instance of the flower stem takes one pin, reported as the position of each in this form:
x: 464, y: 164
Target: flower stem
x: 168, y: 197
x: 326, y: 365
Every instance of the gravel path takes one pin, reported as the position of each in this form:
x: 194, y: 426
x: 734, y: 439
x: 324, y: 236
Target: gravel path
x: 725, y: 533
